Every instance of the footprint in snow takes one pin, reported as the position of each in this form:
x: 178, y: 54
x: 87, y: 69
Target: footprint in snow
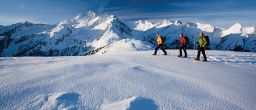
x: 55, y: 101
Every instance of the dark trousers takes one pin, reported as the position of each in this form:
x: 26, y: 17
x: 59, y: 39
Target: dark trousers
x: 184, y: 49
x: 201, y: 49
x: 161, y: 47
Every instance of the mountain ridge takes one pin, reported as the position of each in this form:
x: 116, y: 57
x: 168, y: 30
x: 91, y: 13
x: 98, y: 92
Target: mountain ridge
x: 88, y: 32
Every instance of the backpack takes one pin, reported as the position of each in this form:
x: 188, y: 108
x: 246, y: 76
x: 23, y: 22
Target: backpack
x: 207, y: 40
x: 163, y: 39
x: 187, y: 40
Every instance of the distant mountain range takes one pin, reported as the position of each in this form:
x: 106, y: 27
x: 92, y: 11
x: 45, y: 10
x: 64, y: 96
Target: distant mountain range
x: 87, y: 33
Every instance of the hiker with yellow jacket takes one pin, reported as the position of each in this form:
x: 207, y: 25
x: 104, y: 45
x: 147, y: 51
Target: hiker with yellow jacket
x: 160, y: 44
x: 202, y: 45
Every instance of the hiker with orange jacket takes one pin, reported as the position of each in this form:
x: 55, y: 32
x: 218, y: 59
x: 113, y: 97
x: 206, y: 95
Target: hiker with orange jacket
x: 183, y: 46
x: 160, y: 44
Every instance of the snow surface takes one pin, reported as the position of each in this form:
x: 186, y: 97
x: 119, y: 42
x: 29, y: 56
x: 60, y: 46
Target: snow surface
x: 126, y: 46
x: 129, y: 81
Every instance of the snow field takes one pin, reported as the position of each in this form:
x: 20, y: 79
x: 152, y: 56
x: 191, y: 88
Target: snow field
x: 130, y: 81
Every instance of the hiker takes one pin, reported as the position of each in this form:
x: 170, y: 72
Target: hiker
x: 183, y: 46
x: 202, y: 44
x: 160, y: 44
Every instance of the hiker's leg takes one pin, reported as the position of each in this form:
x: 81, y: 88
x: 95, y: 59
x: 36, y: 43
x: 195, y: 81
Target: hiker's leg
x: 185, y: 51
x: 156, y: 49
x: 162, y: 48
x: 198, y: 54
x: 203, y: 52
x: 180, y: 49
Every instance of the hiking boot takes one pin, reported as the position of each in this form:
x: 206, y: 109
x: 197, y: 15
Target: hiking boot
x: 179, y: 56
x: 205, y: 60
x: 197, y: 59
x: 165, y: 54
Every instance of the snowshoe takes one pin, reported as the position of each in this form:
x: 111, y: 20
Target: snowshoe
x: 197, y: 59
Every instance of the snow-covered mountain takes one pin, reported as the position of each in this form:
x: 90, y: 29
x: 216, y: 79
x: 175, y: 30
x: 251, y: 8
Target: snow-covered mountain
x: 89, y: 32
x: 22, y: 37
x: 143, y: 25
x: 236, y: 37
x: 77, y: 36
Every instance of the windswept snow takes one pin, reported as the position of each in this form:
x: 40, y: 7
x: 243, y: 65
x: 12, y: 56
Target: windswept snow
x: 129, y: 81
x: 55, y: 101
x: 133, y: 103
x: 126, y: 46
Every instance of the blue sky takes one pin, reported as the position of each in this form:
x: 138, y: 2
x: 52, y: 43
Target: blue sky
x: 221, y: 13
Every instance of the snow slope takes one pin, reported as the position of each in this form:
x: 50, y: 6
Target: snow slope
x: 126, y: 46
x: 129, y: 81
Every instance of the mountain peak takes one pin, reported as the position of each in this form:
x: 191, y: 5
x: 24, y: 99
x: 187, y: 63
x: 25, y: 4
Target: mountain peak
x: 89, y: 14
x: 142, y: 22
x: 143, y: 25
x: 177, y: 22
x: 236, y: 26
x: 205, y: 27
x: 164, y: 23
x: 26, y: 22
x: 190, y: 24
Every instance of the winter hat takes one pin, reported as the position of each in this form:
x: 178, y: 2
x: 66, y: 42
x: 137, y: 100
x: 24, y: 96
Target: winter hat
x: 202, y: 34
x: 181, y: 34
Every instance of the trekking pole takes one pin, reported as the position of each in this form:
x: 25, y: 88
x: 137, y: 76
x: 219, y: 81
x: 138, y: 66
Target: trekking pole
x: 195, y: 46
